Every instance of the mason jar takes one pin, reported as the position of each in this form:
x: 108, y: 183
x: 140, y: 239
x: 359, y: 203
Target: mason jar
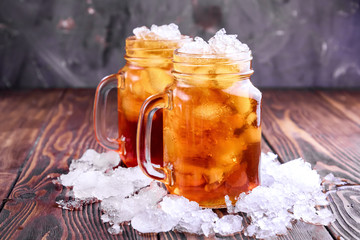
x: 147, y: 71
x: 211, y: 129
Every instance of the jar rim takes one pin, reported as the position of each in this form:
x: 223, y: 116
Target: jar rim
x: 134, y: 39
x: 152, y: 48
x: 246, y: 74
x: 235, y: 56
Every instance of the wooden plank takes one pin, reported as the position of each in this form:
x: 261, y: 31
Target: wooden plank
x: 303, y: 124
x: 32, y: 212
x: 22, y: 118
x: 321, y: 130
x: 346, y: 207
x: 348, y: 102
x: 345, y: 201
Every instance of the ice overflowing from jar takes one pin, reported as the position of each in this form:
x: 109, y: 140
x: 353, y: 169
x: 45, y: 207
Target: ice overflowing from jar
x: 220, y: 44
x: 290, y: 191
x: 163, y: 32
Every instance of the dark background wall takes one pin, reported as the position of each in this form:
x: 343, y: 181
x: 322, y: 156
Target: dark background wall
x: 73, y: 43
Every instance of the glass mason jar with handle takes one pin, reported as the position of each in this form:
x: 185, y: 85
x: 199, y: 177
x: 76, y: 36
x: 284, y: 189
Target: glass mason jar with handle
x: 211, y: 129
x: 147, y: 71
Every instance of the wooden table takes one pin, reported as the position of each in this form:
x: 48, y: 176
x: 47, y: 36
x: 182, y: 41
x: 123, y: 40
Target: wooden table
x: 41, y: 131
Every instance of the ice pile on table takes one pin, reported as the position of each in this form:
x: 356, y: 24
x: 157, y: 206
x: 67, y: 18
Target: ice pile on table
x: 290, y: 191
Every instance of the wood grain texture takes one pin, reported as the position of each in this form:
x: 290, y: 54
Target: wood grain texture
x: 304, y: 124
x: 322, y: 127
x: 345, y: 204
x: 347, y: 102
x: 31, y: 212
x: 22, y: 117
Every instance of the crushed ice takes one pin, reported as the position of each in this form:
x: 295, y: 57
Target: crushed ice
x: 163, y: 32
x: 330, y: 178
x: 221, y: 43
x: 288, y: 192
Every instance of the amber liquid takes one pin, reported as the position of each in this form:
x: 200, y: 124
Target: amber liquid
x: 212, y: 142
x: 140, y: 83
x: 127, y: 140
x: 147, y: 72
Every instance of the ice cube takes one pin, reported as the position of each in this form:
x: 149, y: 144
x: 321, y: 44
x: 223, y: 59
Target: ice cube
x: 90, y: 179
x: 90, y: 161
x: 213, y: 186
x: 138, y: 89
x: 196, y: 221
x: 251, y: 135
x: 169, y: 32
x: 159, y: 79
x: 211, y: 111
x: 221, y: 44
x: 227, y: 153
x: 107, y: 160
x: 229, y: 206
x: 228, y: 224
x: 69, y: 180
x: 153, y: 220
x: 118, y: 209
x: 226, y: 159
x: 163, y: 32
x: 289, y: 191
x: 131, y: 107
x: 308, y: 213
x: 115, y: 229
x: 214, y: 175
x: 87, y: 184
x: 85, y: 162
x: 146, y: 84
x: 251, y: 119
x: 70, y: 205
x: 141, y: 32
x: 207, y: 229
x: 198, y: 46
x: 242, y: 105
x: 177, y: 206
x: 192, y: 179
x: 334, y: 180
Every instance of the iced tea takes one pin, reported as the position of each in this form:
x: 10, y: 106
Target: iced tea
x: 211, y: 130
x: 212, y: 135
x: 147, y: 71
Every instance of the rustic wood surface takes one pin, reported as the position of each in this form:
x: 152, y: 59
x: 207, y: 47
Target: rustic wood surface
x: 22, y: 118
x: 42, y: 130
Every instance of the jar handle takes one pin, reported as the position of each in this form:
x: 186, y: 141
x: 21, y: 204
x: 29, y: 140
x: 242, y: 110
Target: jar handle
x: 109, y: 82
x: 143, y: 136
